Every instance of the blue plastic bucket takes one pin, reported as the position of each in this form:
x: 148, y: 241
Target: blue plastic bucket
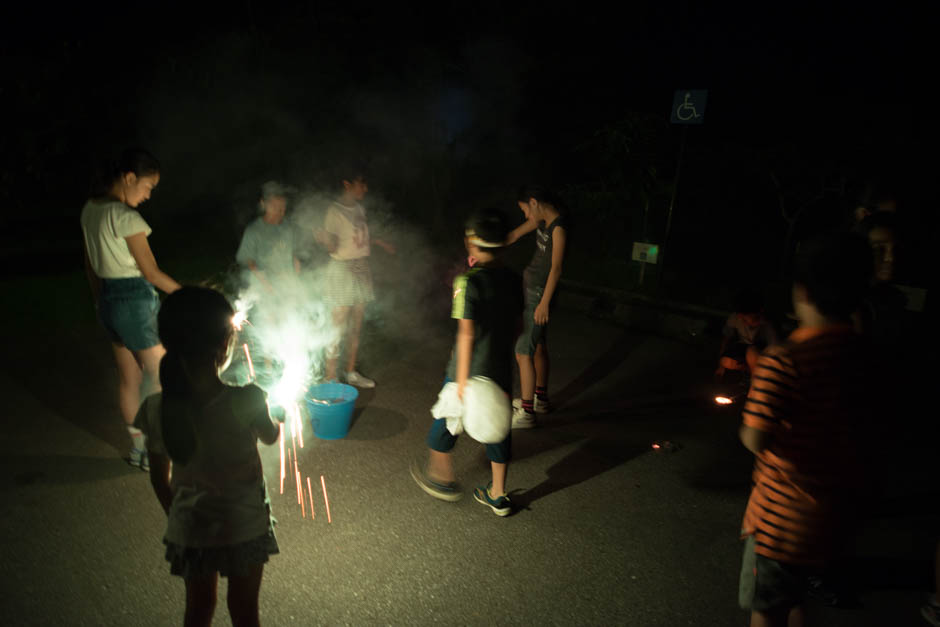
x: 331, y: 408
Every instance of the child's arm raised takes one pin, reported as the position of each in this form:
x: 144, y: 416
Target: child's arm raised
x: 559, y: 237
x: 465, y: 332
x: 266, y: 429
x: 523, y: 229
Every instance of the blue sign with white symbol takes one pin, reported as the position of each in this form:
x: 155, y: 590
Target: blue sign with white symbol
x: 688, y: 106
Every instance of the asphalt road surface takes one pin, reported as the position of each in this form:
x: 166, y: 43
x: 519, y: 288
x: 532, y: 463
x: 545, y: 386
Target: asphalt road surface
x: 607, y: 531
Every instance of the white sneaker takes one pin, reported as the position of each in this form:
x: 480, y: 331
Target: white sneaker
x: 356, y: 379
x: 521, y: 419
x: 540, y: 406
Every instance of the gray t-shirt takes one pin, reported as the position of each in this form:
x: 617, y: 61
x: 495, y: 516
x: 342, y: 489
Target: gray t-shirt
x: 219, y: 496
x: 492, y: 298
x: 536, y: 273
x: 270, y: 246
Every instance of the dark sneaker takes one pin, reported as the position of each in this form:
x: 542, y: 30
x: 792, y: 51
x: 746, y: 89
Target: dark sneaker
x: 500, y: 505
x: 445, y: 491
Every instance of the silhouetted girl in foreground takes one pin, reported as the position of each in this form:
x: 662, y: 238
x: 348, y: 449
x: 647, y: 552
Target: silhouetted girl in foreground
x: 219, y: 514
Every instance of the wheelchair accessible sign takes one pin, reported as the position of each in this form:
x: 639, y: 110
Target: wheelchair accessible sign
x: 688, y: 106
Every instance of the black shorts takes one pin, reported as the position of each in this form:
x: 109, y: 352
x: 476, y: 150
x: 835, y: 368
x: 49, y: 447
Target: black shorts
x: 767, y: 585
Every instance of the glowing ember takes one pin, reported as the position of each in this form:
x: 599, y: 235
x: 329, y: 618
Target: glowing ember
x: 656, y: 446
x: 303, y: 509
x: 251, y: 367
x: 239, y: 319
x: 326, y: 500
x: 723, y: 400
x: 300, y: 489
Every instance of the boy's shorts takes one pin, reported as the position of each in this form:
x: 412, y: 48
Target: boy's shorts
x: 532, y: 334
x: 127, y: 309
x: 441, y: 440
x: 767, y: 584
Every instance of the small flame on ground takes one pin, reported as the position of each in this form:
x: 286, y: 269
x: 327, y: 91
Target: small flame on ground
x: 723, y: 400
x: 656, y: 446
x: 326, y: 500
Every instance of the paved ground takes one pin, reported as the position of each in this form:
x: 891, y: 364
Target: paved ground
x: 608, y: 531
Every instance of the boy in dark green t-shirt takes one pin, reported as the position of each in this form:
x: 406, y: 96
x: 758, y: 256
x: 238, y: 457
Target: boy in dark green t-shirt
x: 487, y: 304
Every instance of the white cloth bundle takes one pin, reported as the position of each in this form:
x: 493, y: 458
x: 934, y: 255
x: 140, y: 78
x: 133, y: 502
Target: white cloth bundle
x: 485, y: 413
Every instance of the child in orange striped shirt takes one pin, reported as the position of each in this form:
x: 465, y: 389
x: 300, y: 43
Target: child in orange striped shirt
x: 807, y: 400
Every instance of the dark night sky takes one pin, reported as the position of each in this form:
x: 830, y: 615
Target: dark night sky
x: 836, y: 88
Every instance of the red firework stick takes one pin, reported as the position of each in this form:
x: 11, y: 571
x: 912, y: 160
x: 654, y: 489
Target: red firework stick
x: 310, y: 492
x: 326, y: 500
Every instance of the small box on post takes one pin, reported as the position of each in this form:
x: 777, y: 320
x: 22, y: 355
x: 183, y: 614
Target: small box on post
x: 645, y: 252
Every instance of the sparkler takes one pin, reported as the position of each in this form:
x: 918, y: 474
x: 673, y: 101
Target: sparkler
x: 281, y: 445
x: 251, y: 367
x: 310, y: 492
x: 326, y: 500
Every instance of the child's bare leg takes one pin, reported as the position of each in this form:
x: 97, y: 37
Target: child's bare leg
x: 243, y: 598
x: 499, y: 479
x: 340, y: 319
x: 149, y: 360
x: 355, y: 327
x: 541, y: 365
x: 131, y: 377
x: 200, y: 600
x: 794, y: 617
x: 440, y: 467
x: 526, y: 376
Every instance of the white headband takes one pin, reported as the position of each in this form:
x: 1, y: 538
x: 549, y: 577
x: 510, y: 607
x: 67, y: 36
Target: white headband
x: 476, y: 240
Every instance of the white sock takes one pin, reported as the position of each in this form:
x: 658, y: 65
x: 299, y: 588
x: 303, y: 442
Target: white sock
x: 137, y: 438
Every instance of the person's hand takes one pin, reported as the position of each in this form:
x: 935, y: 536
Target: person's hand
x: 541, y: 314
x: 461, y: 387
x: 719, y: 372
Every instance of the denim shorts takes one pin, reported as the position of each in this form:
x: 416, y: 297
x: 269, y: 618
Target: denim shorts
x: 441, y: 440
x: 127, y: 309
x: 532, y: 334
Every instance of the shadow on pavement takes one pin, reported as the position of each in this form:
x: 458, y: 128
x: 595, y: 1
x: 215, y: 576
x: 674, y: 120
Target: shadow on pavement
x: 596, y: 455
x: 608, y: 361
x: 376, y: 423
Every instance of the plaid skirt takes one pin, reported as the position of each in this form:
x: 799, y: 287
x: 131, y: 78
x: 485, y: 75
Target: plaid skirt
x: 348, y: 282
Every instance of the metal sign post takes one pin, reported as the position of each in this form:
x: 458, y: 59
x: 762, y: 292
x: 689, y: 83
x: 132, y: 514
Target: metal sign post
x: 688, y: 107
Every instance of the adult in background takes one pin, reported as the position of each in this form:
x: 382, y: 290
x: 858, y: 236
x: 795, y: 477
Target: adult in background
x: 122, y: 273
x: 268, y: 245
